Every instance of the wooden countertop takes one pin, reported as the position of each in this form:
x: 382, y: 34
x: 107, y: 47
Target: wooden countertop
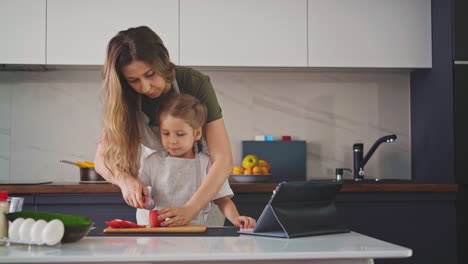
x: 106, y: 188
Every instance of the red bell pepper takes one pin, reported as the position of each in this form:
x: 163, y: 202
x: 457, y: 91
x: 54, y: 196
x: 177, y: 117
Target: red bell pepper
x: 153, y: 217
x: 118, y: 223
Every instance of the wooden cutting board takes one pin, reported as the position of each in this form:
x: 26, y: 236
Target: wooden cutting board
x: 176, y: 229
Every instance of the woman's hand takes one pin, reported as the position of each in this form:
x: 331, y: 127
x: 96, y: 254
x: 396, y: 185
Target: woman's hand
x: 132, y: 190
x: 179, y: 216
x: 244, y: 222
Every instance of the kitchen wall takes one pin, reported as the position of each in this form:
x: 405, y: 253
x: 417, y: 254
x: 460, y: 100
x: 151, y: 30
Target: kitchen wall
x: 5, y: 95
x: 56, y: 114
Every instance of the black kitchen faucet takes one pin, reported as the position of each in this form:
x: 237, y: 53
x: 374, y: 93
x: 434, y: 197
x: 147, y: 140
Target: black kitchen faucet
x: 360, y: 161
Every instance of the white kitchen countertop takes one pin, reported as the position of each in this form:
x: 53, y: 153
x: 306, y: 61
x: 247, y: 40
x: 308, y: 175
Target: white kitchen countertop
x: 338, y: 248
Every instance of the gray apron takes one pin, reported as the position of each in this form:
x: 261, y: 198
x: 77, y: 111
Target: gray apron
x: 174, y: 184
x: 178, y: 180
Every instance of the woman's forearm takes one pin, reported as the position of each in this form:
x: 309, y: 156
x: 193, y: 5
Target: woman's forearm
x: 102, y: 170
x: 222, y: 164
x: 217, y: 175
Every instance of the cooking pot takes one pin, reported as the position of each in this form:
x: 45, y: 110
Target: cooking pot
x: 90, y: 174
x: 87, y: 171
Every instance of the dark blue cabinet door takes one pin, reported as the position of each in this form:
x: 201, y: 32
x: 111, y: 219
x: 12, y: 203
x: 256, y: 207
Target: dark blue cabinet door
x: 460, y: 79
x: 460, y: 25
x: 98, y: 207
x: 424, y: 222
x: 249, y: 204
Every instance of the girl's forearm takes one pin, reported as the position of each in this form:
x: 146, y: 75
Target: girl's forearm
x: 228, y: 208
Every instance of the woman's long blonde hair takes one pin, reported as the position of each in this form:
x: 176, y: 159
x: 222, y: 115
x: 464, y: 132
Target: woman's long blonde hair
x: 121, y: 137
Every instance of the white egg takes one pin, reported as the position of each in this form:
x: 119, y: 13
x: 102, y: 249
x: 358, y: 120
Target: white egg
x: 13, y: 230
x: 53, y: 232
x: 25, y: 230
x: 36, y: 232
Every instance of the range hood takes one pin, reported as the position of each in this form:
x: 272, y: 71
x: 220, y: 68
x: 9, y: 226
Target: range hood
x: 43, y: 68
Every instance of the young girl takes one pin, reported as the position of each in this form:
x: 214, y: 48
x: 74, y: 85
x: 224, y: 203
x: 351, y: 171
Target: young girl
x: 176, y: 173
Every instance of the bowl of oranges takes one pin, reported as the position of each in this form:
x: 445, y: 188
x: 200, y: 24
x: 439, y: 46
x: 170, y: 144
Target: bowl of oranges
x: 253, y: 169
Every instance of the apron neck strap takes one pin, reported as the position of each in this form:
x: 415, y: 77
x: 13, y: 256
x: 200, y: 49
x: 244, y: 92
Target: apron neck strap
x: 175, y: 86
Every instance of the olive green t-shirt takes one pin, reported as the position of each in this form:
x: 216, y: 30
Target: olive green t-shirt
x: 192, y: 82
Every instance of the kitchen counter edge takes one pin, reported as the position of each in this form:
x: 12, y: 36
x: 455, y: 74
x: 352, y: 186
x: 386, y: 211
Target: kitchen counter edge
x: 105, y: 188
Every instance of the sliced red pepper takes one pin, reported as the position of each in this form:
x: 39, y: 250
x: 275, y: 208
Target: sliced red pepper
x: 113, y: 224
x: 116, y: 223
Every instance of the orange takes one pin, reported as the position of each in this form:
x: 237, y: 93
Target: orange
x: 264, y: 163
x: 238, y: 170
x: 264, y: 170
x: 256, y: 170
x: 248, y: 171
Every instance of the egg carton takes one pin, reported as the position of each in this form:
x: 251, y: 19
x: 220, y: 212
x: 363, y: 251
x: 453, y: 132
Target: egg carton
x: 14, y: 241
x: 31, y: 232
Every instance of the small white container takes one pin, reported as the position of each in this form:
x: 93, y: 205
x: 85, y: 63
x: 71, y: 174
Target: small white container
x: 16, y: 204
x: 4, y: 209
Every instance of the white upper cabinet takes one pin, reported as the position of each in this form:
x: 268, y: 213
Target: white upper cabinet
x: 243, y: 32
x: 370, y: 33
x: 23, y: 31
x: 78, y: 31
x: 264, y: 33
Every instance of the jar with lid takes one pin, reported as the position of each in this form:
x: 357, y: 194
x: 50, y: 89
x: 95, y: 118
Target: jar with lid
x: 4, y: 209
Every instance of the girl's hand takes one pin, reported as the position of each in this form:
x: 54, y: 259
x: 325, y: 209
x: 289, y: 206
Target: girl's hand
x: 244, y: 222
x: 132, y: 191
x: 179, y: 216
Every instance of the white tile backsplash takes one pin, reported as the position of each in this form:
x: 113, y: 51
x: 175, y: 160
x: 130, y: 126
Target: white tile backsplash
x: 331, y: 110
x: 54, y: 115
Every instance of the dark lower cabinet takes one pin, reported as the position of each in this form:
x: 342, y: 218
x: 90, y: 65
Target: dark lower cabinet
x: 460, y: 29
x: 98, y: 207
x: 462, y: 223
x: 250, y: 204
x: 460, y: 109
x: 424, y: 222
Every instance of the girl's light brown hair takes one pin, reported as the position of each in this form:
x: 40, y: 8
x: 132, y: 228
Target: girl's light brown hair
x: 121, y: 137
x: 187, y: 108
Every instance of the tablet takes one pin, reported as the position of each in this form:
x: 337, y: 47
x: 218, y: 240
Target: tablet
x: 298, y: 209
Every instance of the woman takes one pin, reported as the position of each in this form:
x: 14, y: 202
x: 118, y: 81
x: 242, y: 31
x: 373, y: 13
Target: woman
x: 138, y: 76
